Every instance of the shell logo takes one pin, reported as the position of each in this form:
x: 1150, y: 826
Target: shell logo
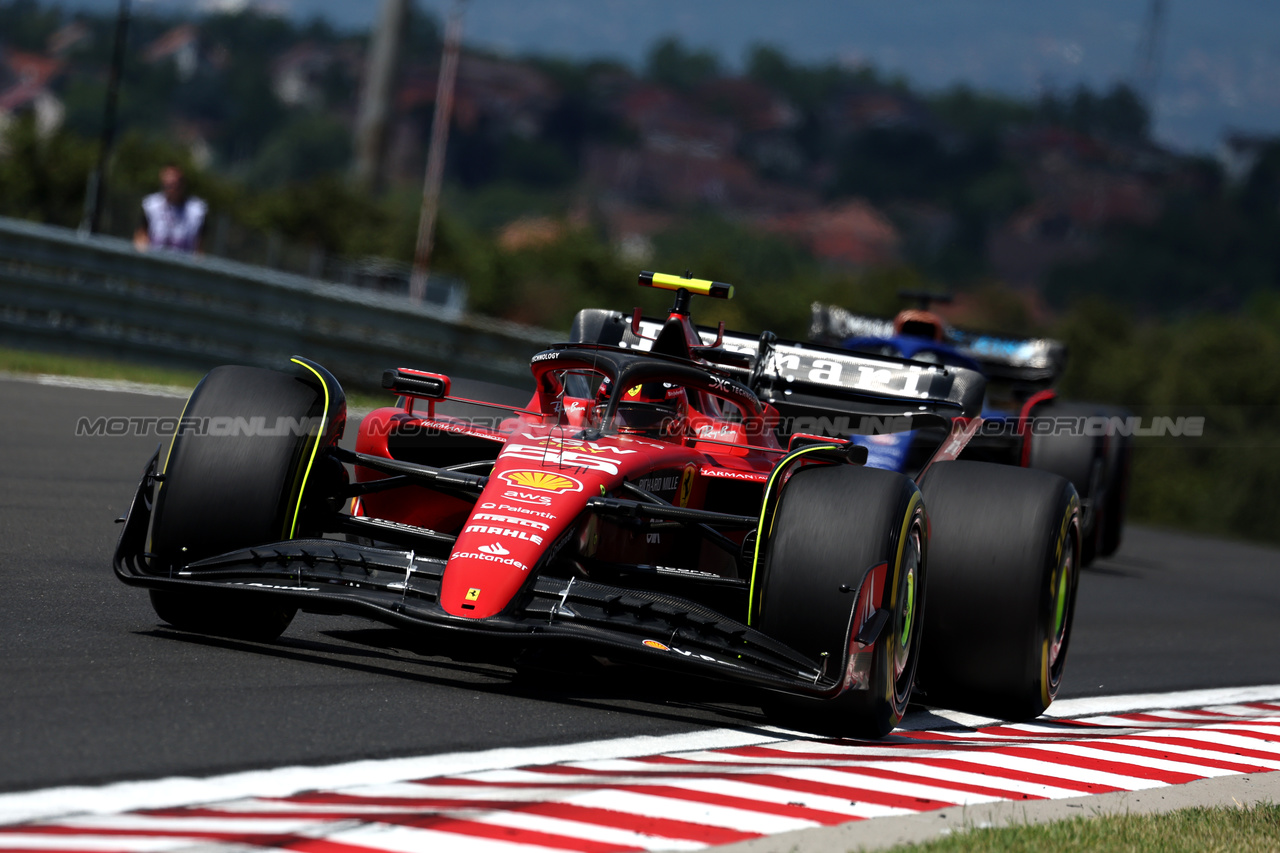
x: 544, y: 481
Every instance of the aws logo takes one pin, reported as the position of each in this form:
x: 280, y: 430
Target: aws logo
x: 543, y: 481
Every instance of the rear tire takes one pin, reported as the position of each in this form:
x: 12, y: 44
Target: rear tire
x: 1080, y: 458
x: 233, y: 487
x: 1003, y: 572
x: 1115, y: 496
x: 833, y: 523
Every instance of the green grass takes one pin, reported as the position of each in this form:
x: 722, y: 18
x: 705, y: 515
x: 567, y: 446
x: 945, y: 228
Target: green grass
x: 32, y: 362
x: 1195, y: 830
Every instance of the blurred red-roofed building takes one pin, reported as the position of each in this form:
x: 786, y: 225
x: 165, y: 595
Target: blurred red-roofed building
x: 852, y: 233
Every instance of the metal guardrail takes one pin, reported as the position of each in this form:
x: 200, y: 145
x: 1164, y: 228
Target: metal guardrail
x: 98, y: 296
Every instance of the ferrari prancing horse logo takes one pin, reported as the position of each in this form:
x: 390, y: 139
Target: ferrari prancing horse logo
x: 686, y: 484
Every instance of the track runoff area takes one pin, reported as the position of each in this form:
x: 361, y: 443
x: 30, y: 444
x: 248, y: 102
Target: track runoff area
x: 679, y: 792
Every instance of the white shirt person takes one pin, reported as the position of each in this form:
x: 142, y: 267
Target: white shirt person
x: 172, y: 220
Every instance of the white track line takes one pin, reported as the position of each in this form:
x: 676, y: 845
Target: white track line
x: 85, y: 383
x: 1163, y: 701
x: 112, y: 844
x: 285, y: 781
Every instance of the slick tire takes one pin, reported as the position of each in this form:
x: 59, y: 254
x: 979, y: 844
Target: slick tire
x: 1003, y: 572
x: 832, y: 524
x: 237, y: 615
x: 233, y: 486
x: 1115, y: 496
x: 1079, y: 458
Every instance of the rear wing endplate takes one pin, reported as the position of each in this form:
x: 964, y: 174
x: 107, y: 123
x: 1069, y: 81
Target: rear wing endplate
x: 1001, y: 356
x: 818, y: 377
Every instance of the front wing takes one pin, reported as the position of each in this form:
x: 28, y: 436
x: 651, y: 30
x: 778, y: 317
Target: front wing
x: 402, y: 589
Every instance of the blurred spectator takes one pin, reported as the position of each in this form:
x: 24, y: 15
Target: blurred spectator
x: 171, y: 219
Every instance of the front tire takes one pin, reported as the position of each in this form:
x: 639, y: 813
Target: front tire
x: 239, y: 616
x: 1003, y: 573
x: 833, y: 524
x: 235, y: 481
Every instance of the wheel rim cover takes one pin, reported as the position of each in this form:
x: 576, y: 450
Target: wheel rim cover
x: 1061, y: 597
x: 906, y: 618
x: 909, y: 607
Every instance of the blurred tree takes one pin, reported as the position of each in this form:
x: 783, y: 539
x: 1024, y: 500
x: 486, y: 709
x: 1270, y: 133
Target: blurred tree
x: 671, y: 64
x: 250, y: 110
x: 808, y: 87
x: 487, y: 208
x: 978, y: 113
x: 884, y: 163
x: 338, y: 87
x: 534, y: 162
x: 1208, y: 251
x: 422, y: 37
x: 324, y: 212
x: 777, y: 281
x: 43, y: 178
x: 1259, y: 195
x: 998, y: 308
x: 318, y: 29
x: 27, y: 24
x: 581, y: 113
x: 309, y: 145
x: 1119, y: 114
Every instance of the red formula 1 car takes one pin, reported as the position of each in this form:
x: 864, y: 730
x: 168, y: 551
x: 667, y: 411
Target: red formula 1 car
x: 652, y: 502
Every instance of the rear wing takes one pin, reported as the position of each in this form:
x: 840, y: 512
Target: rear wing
x: 1036, y: 360
x: 808, y: 378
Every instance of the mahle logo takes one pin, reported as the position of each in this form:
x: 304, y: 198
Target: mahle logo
x: 543, y: 481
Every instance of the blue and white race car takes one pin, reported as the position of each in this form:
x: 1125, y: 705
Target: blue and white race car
x: 1024, y: 422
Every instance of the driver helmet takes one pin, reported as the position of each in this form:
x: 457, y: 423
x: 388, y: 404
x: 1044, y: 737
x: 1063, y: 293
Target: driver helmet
x: 919, y: 324
x: 659, y: 410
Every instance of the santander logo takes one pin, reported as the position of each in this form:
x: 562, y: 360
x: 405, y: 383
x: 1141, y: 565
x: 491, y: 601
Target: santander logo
x: 495, y: 549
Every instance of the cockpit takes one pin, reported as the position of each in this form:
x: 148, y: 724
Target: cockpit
x: 634, y: 393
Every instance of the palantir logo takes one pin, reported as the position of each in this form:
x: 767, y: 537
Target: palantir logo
x: 495, y: 549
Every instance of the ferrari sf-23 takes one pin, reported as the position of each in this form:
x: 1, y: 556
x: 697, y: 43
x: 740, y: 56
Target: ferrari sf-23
x: 654, y: 502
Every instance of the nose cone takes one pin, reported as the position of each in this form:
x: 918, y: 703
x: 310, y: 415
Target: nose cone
x: 538, y: 489
x: 521, y: 512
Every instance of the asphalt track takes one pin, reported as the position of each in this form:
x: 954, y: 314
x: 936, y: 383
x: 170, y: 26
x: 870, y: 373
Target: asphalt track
x: 93, y: 688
